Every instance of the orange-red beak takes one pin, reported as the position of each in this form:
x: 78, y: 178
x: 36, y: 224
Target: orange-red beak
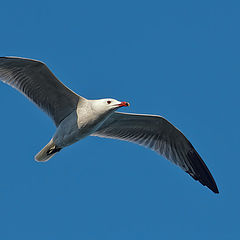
x: 124, y: 104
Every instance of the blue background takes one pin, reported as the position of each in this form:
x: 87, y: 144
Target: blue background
x: 178, y: 59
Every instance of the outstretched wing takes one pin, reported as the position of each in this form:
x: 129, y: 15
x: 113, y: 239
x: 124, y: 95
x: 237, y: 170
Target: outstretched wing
x: 38, y: 83
x: 161, y: 136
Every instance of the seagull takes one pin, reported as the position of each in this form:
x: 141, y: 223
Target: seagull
x: 77, y: 117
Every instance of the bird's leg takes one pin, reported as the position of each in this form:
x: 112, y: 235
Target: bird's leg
x: 53, y: 150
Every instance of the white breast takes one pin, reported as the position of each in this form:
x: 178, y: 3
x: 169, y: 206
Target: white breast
x: 79, y: 124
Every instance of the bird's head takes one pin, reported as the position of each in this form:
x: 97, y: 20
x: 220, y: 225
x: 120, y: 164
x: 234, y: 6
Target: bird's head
x: 108, y: 105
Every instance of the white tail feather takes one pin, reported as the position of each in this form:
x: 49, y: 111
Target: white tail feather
x: 43, y: 155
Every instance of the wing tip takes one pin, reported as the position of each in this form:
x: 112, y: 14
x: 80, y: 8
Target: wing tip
x: 215, y: 190
x: 201, y: 172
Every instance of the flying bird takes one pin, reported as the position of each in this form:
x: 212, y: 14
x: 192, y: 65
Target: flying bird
x: 77, y: 117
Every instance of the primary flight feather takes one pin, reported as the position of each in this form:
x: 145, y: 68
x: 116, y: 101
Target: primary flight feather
x: 77, y: 117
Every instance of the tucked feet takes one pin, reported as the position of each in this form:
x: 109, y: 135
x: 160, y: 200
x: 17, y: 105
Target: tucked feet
x: 53, y: 150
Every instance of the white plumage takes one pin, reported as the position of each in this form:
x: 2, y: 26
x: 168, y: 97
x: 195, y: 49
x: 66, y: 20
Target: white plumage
x: 77, y: 117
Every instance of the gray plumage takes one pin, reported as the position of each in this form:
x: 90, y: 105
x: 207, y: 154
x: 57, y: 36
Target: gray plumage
x: 76, y: 117
x: 35, y: 81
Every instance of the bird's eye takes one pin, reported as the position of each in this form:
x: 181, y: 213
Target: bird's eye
x: 108, y: 102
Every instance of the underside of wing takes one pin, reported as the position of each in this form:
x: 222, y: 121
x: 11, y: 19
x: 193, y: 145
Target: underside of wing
x: 38, y: 83
x: 161, y: 136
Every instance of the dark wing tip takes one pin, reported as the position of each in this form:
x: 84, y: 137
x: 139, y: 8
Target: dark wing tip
x: 201, y: 172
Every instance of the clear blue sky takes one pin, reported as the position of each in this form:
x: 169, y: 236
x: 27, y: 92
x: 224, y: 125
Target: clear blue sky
x: 178, y: 59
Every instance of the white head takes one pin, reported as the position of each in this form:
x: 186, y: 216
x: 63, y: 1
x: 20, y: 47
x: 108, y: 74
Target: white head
x: 107, y: 105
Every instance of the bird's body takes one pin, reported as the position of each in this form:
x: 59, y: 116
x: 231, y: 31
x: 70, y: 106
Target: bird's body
x: 76, y: 117
x: 80, y: 123
x: 88, y: 117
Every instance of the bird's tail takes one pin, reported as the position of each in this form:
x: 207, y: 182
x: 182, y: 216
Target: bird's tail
x: 47, y: 152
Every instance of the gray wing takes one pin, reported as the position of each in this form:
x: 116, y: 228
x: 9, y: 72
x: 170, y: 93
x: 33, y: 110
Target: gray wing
x: 37, y: 82
x: 161, y: 136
